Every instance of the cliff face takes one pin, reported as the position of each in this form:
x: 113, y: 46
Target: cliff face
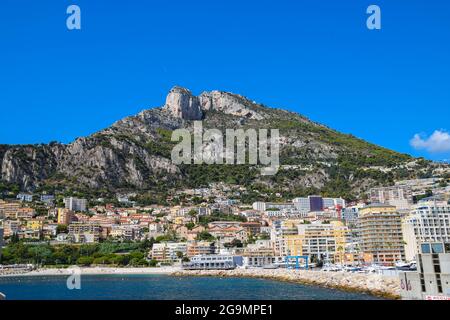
x: 134, y: 153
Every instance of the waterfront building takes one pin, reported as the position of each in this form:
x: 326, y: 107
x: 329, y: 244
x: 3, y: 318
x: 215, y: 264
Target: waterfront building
x: 214, y: 262
x: 196, y: 248
x: 168, y: 252
x: 432, y: 279
x: 318, y: 240
x: 324, y: 241
x: 75, y: 204
x: 380, y: 231
x: 428, y: 222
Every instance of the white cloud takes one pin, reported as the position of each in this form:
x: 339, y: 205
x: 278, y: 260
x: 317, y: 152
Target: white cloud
x: 438, y: 142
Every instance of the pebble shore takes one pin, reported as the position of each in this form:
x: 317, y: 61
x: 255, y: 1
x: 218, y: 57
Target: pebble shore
x: 374, y: 284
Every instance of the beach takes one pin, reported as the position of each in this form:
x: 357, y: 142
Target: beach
x: 94, y: 271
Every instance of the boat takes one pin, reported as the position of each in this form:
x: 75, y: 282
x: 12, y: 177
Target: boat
x: 404, y: 266
x: 401, y: 264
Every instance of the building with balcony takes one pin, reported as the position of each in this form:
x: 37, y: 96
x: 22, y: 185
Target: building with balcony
x: 428, y: 222
x: 380, y: 232
x: 84, y: 232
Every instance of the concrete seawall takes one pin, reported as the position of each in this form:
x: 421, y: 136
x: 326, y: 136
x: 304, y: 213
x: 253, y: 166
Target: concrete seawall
x: 374, y: 284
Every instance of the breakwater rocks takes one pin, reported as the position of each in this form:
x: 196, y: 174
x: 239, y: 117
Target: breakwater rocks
x: 374, y: 284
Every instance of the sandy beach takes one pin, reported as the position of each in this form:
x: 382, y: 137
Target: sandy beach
x: 94, y: 271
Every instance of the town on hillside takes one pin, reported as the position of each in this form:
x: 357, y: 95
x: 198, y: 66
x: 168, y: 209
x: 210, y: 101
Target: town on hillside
x: 211, y: 229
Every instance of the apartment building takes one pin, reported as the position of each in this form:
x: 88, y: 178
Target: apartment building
x: 428, y: 222
x: 380, y: 231
x: 264, y: 206
x: 318, y: 241
x: 75, y: 204
x: 168, y: 252
x: 8, y: 210
x: 252, y: 228
x: 324, y: 241
x: 195, y: 248
x: 25, y: 213
x: 398, y: 196
x: 317, y: 203
x: 84, y: 232
x: 125, y: 232
x: 10, y: 227
x: 65, y: 216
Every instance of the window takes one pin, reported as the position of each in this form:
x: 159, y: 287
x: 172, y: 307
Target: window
x: 447, y: 247
x: 425, y: 248
x: 437, y: 248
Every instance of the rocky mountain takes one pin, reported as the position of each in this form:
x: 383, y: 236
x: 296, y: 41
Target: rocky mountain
x: 134, y: 153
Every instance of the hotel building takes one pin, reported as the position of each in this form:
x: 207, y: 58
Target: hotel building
x: 380, y: 231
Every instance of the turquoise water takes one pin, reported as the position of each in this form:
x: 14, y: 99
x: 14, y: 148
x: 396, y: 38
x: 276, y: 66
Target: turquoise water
x: 163, y: 287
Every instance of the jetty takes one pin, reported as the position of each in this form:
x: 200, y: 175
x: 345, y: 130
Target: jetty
x: 374, y: 284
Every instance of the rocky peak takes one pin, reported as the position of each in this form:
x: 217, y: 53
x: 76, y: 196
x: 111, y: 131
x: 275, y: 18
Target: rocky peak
x: 228, y: 103
x: 182, y: 104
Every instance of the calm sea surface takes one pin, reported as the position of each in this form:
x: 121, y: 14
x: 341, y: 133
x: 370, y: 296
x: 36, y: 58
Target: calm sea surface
x: 163, y: 287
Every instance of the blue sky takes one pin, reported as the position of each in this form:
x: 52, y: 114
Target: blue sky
x: 314, y: 57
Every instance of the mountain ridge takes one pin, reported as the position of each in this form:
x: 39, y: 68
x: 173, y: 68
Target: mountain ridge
x: 134, y: 153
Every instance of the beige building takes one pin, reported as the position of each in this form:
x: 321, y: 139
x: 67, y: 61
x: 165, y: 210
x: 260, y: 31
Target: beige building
x: 196, y: 248
x: 84, y: 232
x: 8, y: 210
x: 380, y: 230
x: 318, y: 241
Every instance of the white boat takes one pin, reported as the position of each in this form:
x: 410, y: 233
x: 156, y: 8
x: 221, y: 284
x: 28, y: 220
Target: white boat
x: 402, y: 264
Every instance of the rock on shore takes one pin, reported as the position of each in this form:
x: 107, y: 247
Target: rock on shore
x: 375, y: 284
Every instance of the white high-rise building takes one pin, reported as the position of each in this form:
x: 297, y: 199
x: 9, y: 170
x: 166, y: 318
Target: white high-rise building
x: 75, y: 204
x: 428, y: 222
